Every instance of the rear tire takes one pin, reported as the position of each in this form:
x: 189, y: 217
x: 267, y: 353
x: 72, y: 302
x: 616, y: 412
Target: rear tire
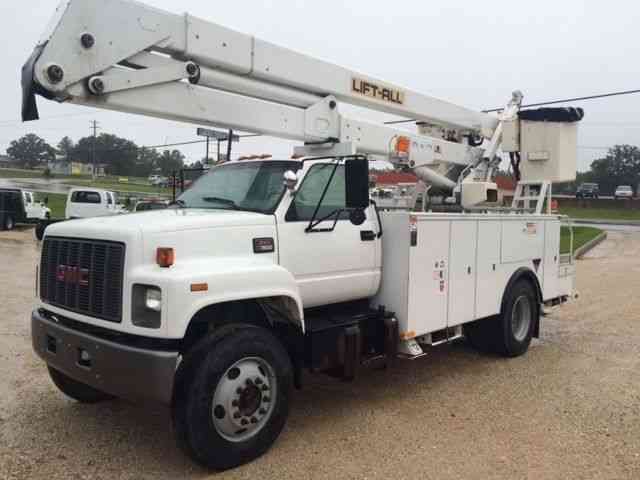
x: 234, y: 400
x: 9, y: 223
x: 78, y: 391
x: 508, y: 334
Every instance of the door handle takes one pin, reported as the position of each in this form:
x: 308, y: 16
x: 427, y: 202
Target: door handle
x: 367, y: 235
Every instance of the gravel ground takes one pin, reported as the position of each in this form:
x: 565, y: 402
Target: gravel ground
x: 568, y: 409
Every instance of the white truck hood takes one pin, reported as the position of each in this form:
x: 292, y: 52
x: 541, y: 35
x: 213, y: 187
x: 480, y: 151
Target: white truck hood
x: 158, y: 221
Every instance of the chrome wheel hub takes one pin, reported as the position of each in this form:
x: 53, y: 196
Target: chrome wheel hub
x: 243, y: 401
x: 521, y: 318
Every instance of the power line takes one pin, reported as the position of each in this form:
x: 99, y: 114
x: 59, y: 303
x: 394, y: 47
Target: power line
x: 576, y: 99
x: 164, y: 145
x: 540, y: 104
x: 10, y: 122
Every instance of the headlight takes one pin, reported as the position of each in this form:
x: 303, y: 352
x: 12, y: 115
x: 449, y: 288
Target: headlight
x: 146, y: 306
x: 154, y: 299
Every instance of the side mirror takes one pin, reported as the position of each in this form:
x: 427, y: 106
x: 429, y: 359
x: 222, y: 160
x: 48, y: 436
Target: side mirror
x: 290, y: 180
x: 357, y: 183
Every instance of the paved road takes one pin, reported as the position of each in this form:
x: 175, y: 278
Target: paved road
x: 569, y: 409
x: 612, y: 228
x: 36, y: 185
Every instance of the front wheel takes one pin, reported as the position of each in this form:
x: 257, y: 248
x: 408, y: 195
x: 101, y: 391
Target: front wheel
x: 237, y: 399
x: 39, y: 231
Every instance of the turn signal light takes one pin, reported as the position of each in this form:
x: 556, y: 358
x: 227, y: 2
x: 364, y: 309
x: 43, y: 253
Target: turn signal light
x: 403, y: 145
x: 165, y: 257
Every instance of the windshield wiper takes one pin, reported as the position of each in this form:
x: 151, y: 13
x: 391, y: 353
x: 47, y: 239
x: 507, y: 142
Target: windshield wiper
x: 225, y: 201
x: 178, y: 203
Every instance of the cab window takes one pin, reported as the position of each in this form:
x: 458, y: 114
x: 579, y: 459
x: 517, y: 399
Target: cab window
x: 85, y: 197
x: 310, y: 192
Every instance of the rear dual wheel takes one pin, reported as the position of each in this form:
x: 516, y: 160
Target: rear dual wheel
x: 508, y: 334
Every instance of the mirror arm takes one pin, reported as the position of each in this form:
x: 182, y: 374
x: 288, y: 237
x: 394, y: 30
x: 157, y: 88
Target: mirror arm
x: 375, y: 206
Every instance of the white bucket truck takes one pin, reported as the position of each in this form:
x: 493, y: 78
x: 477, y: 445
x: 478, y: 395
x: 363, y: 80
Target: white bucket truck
x: 268, y: 267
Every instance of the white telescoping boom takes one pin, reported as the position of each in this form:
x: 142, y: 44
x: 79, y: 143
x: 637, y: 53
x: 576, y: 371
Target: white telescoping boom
x: 125, y: 56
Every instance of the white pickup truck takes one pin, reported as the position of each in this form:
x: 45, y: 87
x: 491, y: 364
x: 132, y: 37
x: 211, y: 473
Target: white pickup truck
x: 84, y: 202
x: 91, y: 202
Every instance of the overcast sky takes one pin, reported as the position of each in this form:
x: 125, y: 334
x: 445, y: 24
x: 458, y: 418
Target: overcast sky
x: 471, y: 53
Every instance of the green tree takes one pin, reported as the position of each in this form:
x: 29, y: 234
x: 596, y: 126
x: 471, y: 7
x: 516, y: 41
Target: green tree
x: 119, y: 155
x: 621, y: 166
x: 170, y: 161
x: 31, y: 151
x: 147, y: 162
x: 66, y: 148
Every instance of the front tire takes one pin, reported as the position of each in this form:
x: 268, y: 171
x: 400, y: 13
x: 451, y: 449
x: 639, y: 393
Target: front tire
x: 235, y: 401
x: 39, y: 231
x: 78, y: 391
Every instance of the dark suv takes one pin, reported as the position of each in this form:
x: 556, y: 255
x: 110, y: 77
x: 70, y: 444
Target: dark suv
x: 588, y: 190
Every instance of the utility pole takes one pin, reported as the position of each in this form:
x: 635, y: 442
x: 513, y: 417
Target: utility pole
x: 94, y: 127
x: 229, y: 144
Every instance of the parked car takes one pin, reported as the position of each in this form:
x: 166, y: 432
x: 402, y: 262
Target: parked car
x: 156, y: 180
x: 588, y: 190
x: 19, y: 206
x: 148, y: 205
x: 623, y: 191
x: 92, y: 202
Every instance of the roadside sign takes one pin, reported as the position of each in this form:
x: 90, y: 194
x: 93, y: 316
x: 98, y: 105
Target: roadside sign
x: 218, y: 135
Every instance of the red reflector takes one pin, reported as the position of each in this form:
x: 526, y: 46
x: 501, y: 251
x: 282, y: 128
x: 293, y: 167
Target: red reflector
x: 165, y: 257
x: 263, y: 245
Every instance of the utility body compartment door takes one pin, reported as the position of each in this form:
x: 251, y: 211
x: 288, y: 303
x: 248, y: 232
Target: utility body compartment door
x: 429, y: 287
x: 489, y: 279
x: 551, y: 259
x: 462, y: 271
x: 522, y: 240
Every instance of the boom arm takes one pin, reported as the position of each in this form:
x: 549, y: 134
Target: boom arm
x: 125, y: 56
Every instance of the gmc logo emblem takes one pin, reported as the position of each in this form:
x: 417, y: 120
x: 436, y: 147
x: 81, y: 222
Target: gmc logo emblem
x: 72, y: 275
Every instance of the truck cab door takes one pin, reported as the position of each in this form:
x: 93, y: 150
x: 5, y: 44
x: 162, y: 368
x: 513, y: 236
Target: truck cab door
x: 29, y: 205
x: 337, y: 261
x: 111, y: 203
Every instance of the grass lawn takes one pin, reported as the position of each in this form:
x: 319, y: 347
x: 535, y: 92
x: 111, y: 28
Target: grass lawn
x: 57, y: 203
x: 19, y: 173
x: 114, y: 185
x: 601, y: 213
x: 22, y: 173
x: 581, y: 235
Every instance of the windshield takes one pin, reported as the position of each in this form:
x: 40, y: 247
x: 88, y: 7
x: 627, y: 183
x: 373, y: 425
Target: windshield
x: 251, y: 186
x: 624, y: 188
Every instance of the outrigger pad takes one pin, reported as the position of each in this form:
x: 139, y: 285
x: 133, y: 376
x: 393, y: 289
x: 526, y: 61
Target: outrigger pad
x: 562, y: 115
